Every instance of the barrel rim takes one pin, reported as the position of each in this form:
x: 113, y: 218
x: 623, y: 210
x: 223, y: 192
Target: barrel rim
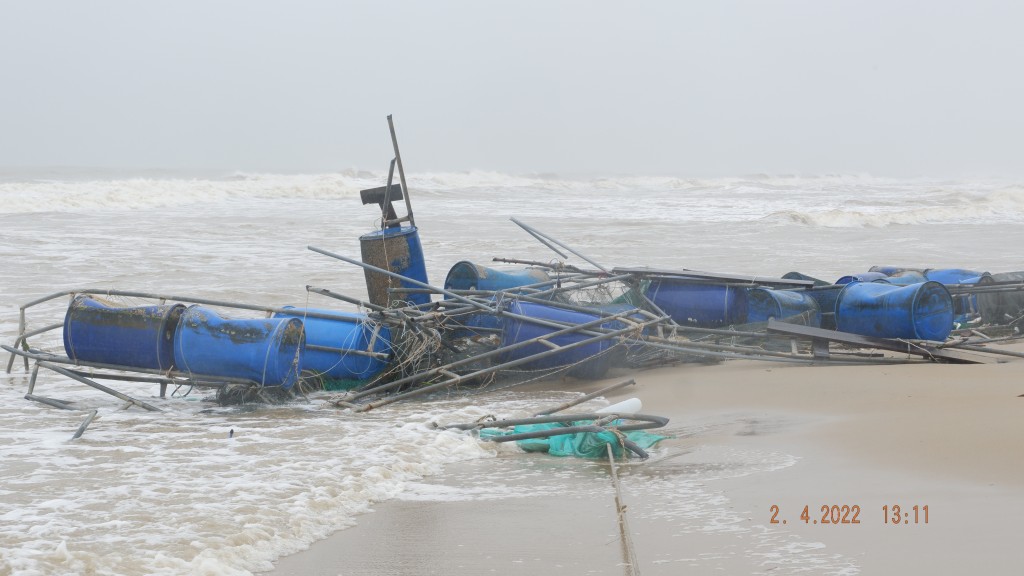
x: 389, y: 233
x: 921, y: 292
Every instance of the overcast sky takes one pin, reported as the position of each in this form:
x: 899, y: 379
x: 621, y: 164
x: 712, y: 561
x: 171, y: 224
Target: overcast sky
x: 670, y: 87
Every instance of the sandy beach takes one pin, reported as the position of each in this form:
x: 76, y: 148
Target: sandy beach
x: 941, y: 437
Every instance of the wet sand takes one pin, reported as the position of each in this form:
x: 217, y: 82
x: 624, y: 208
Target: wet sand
x: 943, y: 436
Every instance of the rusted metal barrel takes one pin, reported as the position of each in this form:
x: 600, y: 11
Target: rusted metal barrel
x: 395, y: 250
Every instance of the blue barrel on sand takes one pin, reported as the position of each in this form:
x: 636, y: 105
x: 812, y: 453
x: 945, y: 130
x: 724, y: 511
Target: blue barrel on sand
x: 137, y: 337
x: 794, y: 307
x: 920, y: 311
x: 594, y: 359
x: 267, y: 351
x: 705, y: 305
x: 396, y: 250
x: 863, y: 277
x: 346, y: 346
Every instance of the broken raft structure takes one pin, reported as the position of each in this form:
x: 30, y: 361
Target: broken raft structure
x: 507, y: 323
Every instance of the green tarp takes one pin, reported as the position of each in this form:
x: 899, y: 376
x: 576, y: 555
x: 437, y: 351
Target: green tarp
x: 581, y: 445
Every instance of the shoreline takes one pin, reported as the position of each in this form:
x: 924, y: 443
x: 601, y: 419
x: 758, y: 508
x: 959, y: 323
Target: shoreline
x: 749, y: 435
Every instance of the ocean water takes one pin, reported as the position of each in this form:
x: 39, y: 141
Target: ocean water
x: 170, y: 493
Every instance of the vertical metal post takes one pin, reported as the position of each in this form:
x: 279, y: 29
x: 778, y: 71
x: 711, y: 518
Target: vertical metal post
x: 387, y: 212
x: 32, y: 379
x: 401, y: 171
x: 21, y: 332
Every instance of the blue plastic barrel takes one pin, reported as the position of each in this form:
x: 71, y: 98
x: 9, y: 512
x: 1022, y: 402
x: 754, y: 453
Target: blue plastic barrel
x: 920, y: 311
x: 863, y: 277
x: 792, y: 306
x: 396, y: 250
x: 268, y: 351
x: 905, y: 278
x: 705, y: 305
x: 952, y: 275
x: 465, y: 275
x: 352, y: 336
x: 965, y: 306
x: 518, y: 330
x: 825, y: 297
x: 136, y: 337
x: 476, y: 323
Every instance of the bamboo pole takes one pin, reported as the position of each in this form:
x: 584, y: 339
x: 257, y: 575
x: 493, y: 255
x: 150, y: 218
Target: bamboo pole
x: 629, y: 558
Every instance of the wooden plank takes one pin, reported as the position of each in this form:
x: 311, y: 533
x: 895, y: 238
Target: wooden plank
x: 697, y: 275
x: 879, y: 343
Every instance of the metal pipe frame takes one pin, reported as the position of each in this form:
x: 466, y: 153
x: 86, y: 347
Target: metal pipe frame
x: 391, y: 274
x: 536, y: 287
x: 401, y: 171
x: 452, y: 365
x: 98, y: 386
x: 646, y: 421
x: 556, y: 267
x: 456, y: 379
x: 191, y: 379
x: 585, y: 397
x: 543, y: 236
x: 23, y: 336
x: 89, y: 417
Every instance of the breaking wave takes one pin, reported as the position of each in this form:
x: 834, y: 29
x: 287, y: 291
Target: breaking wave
x: 1001, y: 205
x: 831, y: 201
x: 136, y: 193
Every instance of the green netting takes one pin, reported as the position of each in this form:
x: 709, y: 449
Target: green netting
x: 581, y: 445
x: 634, y: 297
x: 333, y: 384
